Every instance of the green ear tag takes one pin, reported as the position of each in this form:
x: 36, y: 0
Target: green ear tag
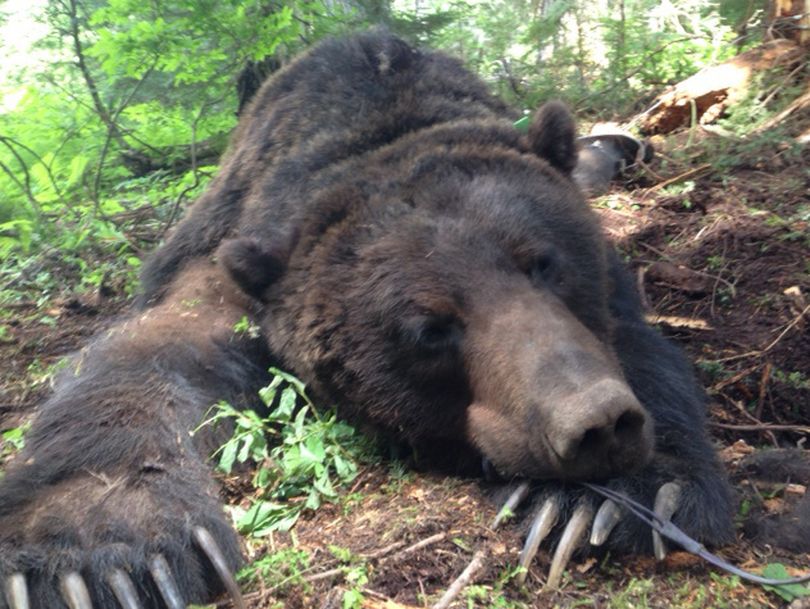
x: 522, y: 124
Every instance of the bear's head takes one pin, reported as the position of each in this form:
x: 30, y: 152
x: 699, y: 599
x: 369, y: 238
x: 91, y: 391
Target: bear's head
x: 452, y: 290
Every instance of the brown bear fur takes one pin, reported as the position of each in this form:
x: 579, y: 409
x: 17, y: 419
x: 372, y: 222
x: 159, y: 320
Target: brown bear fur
x: 414, y: 259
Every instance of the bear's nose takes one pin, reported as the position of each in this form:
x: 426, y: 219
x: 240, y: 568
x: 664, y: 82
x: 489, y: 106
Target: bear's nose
x: 599, y: 431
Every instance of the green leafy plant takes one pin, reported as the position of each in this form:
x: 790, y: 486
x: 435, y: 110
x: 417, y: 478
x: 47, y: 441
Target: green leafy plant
x: 124, y: 111
x: 284, y: 567
x: 357, y: 578
x: 13, y: 439
x: 312, y: 453
x: 789, y: 592
x: 792, y: 378
x: 603, y: 58
x: 246, y: 327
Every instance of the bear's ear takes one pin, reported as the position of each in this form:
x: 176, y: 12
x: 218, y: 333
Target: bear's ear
x: 251, y: 265
x: 552, y: 136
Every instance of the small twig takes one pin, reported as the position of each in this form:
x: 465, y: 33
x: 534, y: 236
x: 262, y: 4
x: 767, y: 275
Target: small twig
x: 467, y: 576
x: 329, y: 573
x: 717, y: 281
x: 110, y: 136
x: 780, y: 86
x: 642, y: 292
x: 773, y: 343
x: 383, y: 554
x: 360, y: 479
x: 763, y: 427
x: 678, y: 178
x: 383, y: 551
x: 417, y: 546
x: 732, y: 379
x: 8, y: 141
x: 754, y: 420
x: 250, y: 596
x: 763, y: 389
x: 797, y: 104
x: 648, y: 169
x: 26, y: 185
x: 196, y: 182
x: 375, y: 594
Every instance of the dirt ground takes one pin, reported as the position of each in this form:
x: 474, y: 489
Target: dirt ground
x: 721, y: 249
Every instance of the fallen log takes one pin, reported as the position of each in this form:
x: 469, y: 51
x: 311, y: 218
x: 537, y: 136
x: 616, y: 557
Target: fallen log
x: 704, y: 96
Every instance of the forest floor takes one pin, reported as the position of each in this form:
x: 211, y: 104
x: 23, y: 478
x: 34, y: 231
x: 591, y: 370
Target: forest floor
x: 719, y: 238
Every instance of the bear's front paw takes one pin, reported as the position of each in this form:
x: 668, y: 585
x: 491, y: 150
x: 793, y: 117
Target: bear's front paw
x: 93, y: 540
x: 577, y: 517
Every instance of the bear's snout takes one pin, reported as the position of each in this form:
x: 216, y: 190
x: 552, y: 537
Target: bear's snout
x: 598, y: 431
x: 549, y: 397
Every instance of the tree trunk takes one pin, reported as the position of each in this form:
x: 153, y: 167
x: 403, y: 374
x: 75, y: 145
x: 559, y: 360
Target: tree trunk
x: 789, y: 19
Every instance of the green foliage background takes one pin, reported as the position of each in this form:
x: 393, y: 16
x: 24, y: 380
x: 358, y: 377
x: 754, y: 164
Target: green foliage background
x: 105, y: 143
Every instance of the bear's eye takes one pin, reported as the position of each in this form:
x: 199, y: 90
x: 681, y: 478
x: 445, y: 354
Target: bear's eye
x: 546, y: 268
x: 436, y: 333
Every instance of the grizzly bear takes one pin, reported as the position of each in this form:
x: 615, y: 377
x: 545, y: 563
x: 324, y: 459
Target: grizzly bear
x: 415, y: 259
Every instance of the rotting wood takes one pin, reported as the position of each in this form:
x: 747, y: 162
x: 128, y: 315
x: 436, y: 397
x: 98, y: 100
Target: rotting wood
x: 706, y: 94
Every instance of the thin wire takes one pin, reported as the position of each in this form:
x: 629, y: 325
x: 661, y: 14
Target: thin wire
x: 673, y: 533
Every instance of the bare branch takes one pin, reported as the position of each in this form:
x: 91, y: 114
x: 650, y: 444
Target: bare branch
x: 462, y: 581
x: 110, y: 135
x: 772, y: 344
x: 763, y: 427
x: 24, y: 187
x: 10, y: 140
x: 98, y: 103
